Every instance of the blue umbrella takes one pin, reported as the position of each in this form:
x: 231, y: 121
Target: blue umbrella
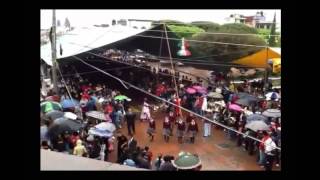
x: 68, y: 103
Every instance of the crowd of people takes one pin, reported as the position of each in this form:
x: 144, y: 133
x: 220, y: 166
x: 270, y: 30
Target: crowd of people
x: 98, y: 97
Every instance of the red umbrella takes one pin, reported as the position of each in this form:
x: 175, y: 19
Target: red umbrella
x: 53, y: 98
x: 191, y: 90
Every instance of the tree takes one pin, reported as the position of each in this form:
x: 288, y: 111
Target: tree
x: 222, y: 52
x: 58, y: 23
x: 185, y: 31
x: 169, y: 22
x: 206, y: 25
x: 67, y: 23
x: 272, y: 41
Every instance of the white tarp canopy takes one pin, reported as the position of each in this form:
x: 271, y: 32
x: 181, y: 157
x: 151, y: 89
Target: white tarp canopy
x: 81, y: 40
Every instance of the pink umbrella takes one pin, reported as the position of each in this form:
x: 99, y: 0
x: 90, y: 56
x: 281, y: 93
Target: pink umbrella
x: 190, y: 90
x: 202, y: 91
x: 235, y: 107
x: 198, y: 87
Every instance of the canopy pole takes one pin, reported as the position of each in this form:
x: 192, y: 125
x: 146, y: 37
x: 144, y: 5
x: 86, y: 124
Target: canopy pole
x: 266, y: 72
x: 173, y: 68
x: 54, y: 54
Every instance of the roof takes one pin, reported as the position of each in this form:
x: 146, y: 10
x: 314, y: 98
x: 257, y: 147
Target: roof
x: 51, y: 161
x: 152, y: 46
x: 72, y: 42
x: 260, y: 58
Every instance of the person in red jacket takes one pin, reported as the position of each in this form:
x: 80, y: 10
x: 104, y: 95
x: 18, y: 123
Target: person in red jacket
x: 180, y: 130
x: 193, y: 129
x: 177, y: 101
x: 166, y: 129
x: 152, y: 128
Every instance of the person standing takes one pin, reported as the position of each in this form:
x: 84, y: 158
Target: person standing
x: 172, y: 120
x: 79, y: 150
x: 152, y: 128
x: 132, y: 144
x: 130, y: 117
x: 118, y: 116
x: 239, y: 136
x: 180, y: 130
x: 189, y: 118
x: 166, y: 129
x: 275, y: 135
x: 159, y: 161
x: 269, y: 149
x: 167, y: 165
x: 207, y: 125
x: 262, y: 155
x: 193, y: 129
x: 122, y: 142
x: 145, y: 113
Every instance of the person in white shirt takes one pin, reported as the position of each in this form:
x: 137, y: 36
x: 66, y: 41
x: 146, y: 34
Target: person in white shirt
x: 269, y: 147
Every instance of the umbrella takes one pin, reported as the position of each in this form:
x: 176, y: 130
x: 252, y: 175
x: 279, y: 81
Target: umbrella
x: 257, y: 125
x: 272, y: 95
x: 54, y: 114
x: 235, y: 107
x: 256, y: 117
x: 243, y: 102
x: 187, y: 161
x: 246, y: 99
x: 190, y: 90
x: 50, y: 106
x: 250, y: 72
x: 63, y: 124
x: 215, y: 95
x: 53, y: 98
x: 68, y: 103
x: 198, y: 87
x: 235, y: 72
x: 121, y: 98
x: 274, y: 113
x: 220, y: 103
x: 96, y: 115
x: 106, y: 126
x: 202, y: 91
x: 104, y: 129
x: 70, y: 115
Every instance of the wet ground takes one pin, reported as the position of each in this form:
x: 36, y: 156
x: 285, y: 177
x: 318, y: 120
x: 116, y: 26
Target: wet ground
x: 216, y: 152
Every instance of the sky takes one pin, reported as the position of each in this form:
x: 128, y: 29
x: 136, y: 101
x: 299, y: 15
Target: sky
x: 80, y: 18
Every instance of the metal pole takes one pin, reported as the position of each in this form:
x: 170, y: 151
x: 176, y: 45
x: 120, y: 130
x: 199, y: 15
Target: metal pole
x: 54, y: 54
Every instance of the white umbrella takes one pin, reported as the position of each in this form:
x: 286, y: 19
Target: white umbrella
x: 106, y: 126
x: 104, y: 129
x: 257, y: 125
x: 96, y: 132
x: 70, y: 115
x: 274, y: 113
x: 96, y: 114
x: 268, y: 95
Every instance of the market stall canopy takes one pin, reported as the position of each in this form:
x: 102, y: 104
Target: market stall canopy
x: 260, y: 58
x: 81, y: 40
